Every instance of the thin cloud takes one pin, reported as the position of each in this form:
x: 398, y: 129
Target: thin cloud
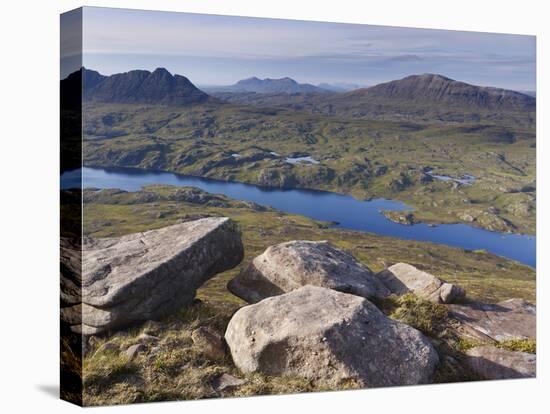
x: 199, y: 46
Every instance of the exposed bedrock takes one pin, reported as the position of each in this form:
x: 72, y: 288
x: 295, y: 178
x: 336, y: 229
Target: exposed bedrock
x: 509, y: 319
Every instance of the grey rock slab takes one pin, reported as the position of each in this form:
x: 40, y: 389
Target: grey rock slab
x: 134, y: 350
x: 402, y: 278
x: 494, y: 363
x: 226, y: 382
x: 287, y: 266
x: 329, y: 337
x: 143, y: 276
x: 509, y: 319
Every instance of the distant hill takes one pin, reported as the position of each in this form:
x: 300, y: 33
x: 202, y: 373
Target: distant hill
x: 437, y: 89
x: 140, y: 86
x: 340, y: 86
x: 271, y: 86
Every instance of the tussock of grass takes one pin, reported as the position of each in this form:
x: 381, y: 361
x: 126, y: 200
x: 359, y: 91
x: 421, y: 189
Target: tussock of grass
x: 464, y: 344
x: 519, y: 344
x: 416, y: 312
x: 106, y: 365
x: 522, y: 345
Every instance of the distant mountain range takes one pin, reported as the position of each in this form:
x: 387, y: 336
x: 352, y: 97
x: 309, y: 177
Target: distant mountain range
x: 340, y: 86
x: 425, y: 98
x: 269, y: 86
x: 420, y: 98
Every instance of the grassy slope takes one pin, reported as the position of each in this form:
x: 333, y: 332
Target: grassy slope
x: 364, y: 158
x: 180, y: 370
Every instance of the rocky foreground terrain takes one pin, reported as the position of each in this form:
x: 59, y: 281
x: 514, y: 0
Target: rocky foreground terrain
x: 307, y: 315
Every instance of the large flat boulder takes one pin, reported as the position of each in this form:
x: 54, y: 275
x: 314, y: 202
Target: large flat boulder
x: 291, y: 265
x: 143, y: 276
x: 402, y: 278
x: 510, y: 319
x: 494, y: 363
x: 328, y: 337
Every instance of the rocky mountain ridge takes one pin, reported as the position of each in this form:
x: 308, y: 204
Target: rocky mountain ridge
x: 140, y: 87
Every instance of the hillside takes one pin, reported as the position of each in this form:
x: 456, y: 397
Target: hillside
x: 437, y: 89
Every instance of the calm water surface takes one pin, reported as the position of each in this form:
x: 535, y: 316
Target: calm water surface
x: 347, y: 211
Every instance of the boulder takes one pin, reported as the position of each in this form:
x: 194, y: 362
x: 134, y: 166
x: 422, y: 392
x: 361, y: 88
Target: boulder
x: 510, y: 319
x: 210, y: 342
x: 134, y: 350
x: 494, y: 363
x: 404, y: 278
x: 144, y: 276
x: 328, y: 337
x: 291, y: 265
x: 226, y: 382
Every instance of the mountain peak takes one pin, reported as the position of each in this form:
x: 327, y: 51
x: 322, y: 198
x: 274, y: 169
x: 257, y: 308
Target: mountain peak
x: 273, y: 86
x: 432, y: 76
x: 142, y: 86
x: 161, y: 72
x: 435, y: 89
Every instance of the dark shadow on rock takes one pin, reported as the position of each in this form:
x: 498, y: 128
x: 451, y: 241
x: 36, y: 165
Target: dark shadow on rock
x: 492, y: 370
x: 392, y: 282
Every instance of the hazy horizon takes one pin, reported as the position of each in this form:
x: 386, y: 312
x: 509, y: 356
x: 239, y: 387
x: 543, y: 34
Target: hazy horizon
x: 221, y: 50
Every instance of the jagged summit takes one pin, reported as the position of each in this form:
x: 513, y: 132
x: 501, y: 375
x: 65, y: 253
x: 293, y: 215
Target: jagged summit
x: 140, y: 86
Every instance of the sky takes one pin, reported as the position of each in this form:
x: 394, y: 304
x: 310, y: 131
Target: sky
x: 220, y: 50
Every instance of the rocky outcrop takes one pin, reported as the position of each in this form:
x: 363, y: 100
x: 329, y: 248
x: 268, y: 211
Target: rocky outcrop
x: 402, y: 278
x: 329, y: 337
x: 146, y: 275
x: 492, y: 363
x: 510, y: 319
x: 291, y: 265
x: 401, y: 217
